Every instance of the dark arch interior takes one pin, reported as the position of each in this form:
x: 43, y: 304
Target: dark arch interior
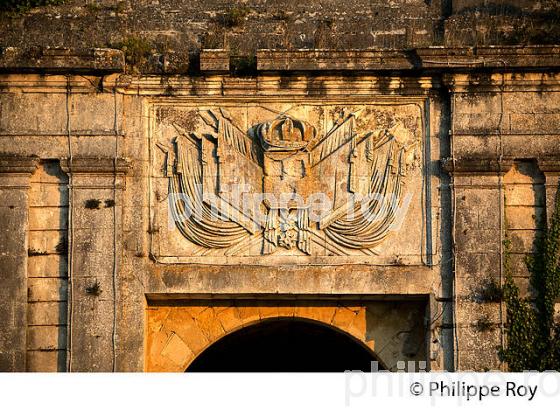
x: 284, y: 346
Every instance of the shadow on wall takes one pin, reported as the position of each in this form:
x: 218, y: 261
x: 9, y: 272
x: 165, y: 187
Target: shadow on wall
x: 405, y: 342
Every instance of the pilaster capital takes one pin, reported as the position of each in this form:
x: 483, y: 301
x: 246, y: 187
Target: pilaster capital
x: 13, y: 164
x: 550, y: 166
x: 479, y: 166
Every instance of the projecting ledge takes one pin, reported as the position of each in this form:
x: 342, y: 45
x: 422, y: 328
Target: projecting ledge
x: 429, y: 58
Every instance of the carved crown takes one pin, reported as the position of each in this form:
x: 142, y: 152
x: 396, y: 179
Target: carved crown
x: 286, y: 134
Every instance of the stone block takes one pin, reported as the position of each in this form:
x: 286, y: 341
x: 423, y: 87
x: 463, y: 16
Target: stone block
x: 518, y: 264
x: 96, y: 113
x: 13, y: 200
x: 97, y: 287
x: 476, y: 337
x: 478, y: 360
x: 476, y: 103
x: 183, y: 325
x: 531, y: 103
x: 344, y: 316
x: 44, y: 266
x: 479, y: 123
x: 525, y: 217
x: 56, y: 146
x: 46, y: 338
x: 13, y: 225
x: 47, y: 289
x: 7, y: 361
x: 319, y: 312
x: 209, y: 324
x: 478, y: 240
x: 475, y: 146
x: 545, y: 145
x: 91, y: 240
x: 214, y: 60
x: 177, y: 351
x: 358, y: 327
x: 47, y: 313
x: 531, y: 123
x: 6, y: 317
x: 46, y: 361
x: 523, y: 241
x: 229, y: 318
x: 524, y: 195
x: 286, y: 309
x: 20, y: 116
x: 468, y: 312
x: 249, y: 313
x: 92, y: 336
x: 48, y: 218
x: 92, y: 263
x: 47, y: 242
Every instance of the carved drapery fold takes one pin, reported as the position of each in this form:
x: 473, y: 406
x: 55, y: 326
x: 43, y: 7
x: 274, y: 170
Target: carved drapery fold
x: 373, y: 217
x: 195, y: 219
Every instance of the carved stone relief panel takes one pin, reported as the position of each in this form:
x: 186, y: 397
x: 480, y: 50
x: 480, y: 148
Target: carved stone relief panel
x: 287, y: 182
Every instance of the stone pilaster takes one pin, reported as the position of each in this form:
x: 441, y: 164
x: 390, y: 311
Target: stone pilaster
x: 15, y: 173
x: 478, y: 226
x: 95, y: 238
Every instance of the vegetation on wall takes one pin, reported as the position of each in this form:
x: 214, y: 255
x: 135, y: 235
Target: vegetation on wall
x: 136, y: 50
x: 235, y: 16
x: 533, y: 335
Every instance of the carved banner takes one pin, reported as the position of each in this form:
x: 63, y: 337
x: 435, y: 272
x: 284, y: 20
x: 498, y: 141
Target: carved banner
x: 296, y: 181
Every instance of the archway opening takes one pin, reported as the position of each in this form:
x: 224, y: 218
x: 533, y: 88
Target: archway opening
x: 285, y: 345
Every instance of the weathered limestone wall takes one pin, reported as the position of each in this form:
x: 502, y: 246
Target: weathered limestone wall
x: 503, y: 125
x: 184, y: 26
x: 14, y: 186
x: 167, y: 36
x: 103, y: 143
x: 481, y: 136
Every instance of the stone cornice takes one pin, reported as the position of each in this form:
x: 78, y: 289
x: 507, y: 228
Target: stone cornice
x: 430, y: 59
x: 18, y: 164
x: 95, y: 166
x: 334, y: 60
x: 499, y: 57
x: 549, y: 165
x: 102, y: 60
x: 263, y: 86
x: 441, y: 59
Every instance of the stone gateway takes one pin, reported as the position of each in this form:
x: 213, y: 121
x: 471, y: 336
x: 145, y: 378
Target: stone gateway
x: 330, y: 207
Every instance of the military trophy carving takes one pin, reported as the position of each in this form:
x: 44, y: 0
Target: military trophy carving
x: 236, y: 191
